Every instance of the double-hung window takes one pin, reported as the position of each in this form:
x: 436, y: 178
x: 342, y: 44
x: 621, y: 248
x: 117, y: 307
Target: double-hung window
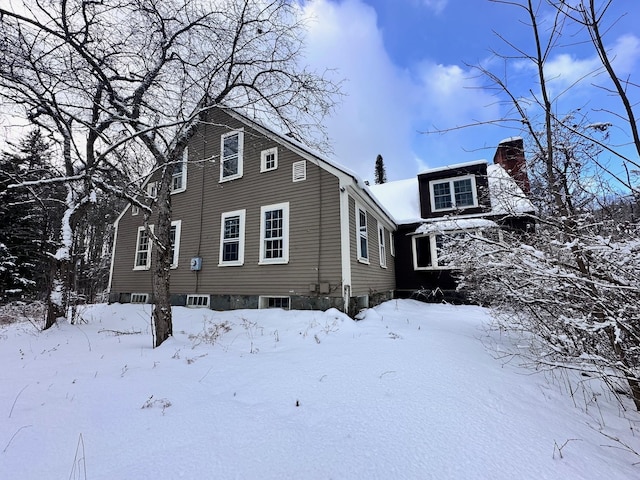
x: 143, y: 249
x: 232, y: 238
x: 269, y: 159
x: 231, y: 155
x: 274, y: 233
x: 174, y: 238
x: 179, y: 176
x: 363, y: 235
x: 453, y: 193
x: 382, y: 246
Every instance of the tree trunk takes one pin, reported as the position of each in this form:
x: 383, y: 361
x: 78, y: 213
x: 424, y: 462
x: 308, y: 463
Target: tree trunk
x: 162, y: 318
x: 56, y: 294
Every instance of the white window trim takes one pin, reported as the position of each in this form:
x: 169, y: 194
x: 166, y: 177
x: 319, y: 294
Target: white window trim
x: 299, y: 171
x: 451, y: 181
x: 176, y: 243
x: 359, y: 235
x: 434, y: 248
x: 392, y: 244
x: 240, y: 261
x: 135, y: 210
x: 263, y: 301
x: 433, y: 252
x: 197, y: 298
x: 263, y: 159
x: 140, y: 297
x: 185, y: 158
x: 238, y: 174
x: 285, y: 234
x: 152, y: 189
x: 135, y: 258
x: 382, y: 246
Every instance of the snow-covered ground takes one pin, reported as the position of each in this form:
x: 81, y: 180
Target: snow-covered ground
x: 412, y: 391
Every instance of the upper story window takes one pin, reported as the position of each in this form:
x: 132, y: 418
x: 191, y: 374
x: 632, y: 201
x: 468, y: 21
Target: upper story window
x: 269, y: 159
x: 231, y: 155
x: 274, y: 233
x: 232, y: 238
x: 179, y: 176
x: 453, y: 193
x: 152, y: 189
x: 363, y: 235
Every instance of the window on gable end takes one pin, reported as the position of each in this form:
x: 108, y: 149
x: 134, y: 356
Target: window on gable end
x: 232, y: 238
x: 269, y: 159
x: 274, y: 233
x: 231, y: 155
x: 152, y: 189
x: 179, y: 176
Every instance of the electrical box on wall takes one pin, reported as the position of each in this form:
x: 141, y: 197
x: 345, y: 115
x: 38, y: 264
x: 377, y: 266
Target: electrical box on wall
x: 196, y: 264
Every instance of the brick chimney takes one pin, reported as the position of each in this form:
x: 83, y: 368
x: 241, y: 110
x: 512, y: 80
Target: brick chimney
x: 510, y: 155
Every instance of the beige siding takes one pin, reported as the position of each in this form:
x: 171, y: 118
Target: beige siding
x: 313, y: 209
x: 369, y: 278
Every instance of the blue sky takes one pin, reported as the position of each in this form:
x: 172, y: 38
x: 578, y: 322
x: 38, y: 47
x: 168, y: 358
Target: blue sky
x: 406, y: 65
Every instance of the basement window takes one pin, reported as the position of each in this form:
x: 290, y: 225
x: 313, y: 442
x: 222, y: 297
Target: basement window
x: 198, y: 301
x: 139, y: 297
x: 275, y: 302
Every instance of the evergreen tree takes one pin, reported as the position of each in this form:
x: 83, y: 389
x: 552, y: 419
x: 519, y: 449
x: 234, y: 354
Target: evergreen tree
x: 380, y: 173
x: 27, y: 218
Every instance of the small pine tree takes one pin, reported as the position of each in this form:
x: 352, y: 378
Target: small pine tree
x: 380, y: 173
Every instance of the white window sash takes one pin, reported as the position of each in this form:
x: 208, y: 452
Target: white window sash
x: 362, y: 235
x: 452, y: 196
x: 237, y: 156
x: 241, y: 215
x: 147, y: 264
x: 284, y: 237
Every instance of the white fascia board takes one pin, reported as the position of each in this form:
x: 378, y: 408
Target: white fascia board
x: 346, y: 176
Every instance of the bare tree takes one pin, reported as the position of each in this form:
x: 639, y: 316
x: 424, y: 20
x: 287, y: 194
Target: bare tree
x: 106, y: 75
x: 573, y: 285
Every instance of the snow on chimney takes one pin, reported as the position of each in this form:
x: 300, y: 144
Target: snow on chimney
x: 510, y: 155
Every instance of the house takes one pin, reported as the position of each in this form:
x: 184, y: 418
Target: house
x: 446, y: 201
x: 260, y: 221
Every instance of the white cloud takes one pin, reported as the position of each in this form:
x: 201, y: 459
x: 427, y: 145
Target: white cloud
x: 436, y: 5
x: 386, y: 106
x: 374, y: 117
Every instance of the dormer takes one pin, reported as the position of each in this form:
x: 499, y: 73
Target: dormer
x: 460, y: 189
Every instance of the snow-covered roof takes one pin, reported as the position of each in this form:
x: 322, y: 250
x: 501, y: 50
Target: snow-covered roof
x: 506, y: 196
x: 448, y: 224
x: 401, y: 198
x: 455, y: 166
